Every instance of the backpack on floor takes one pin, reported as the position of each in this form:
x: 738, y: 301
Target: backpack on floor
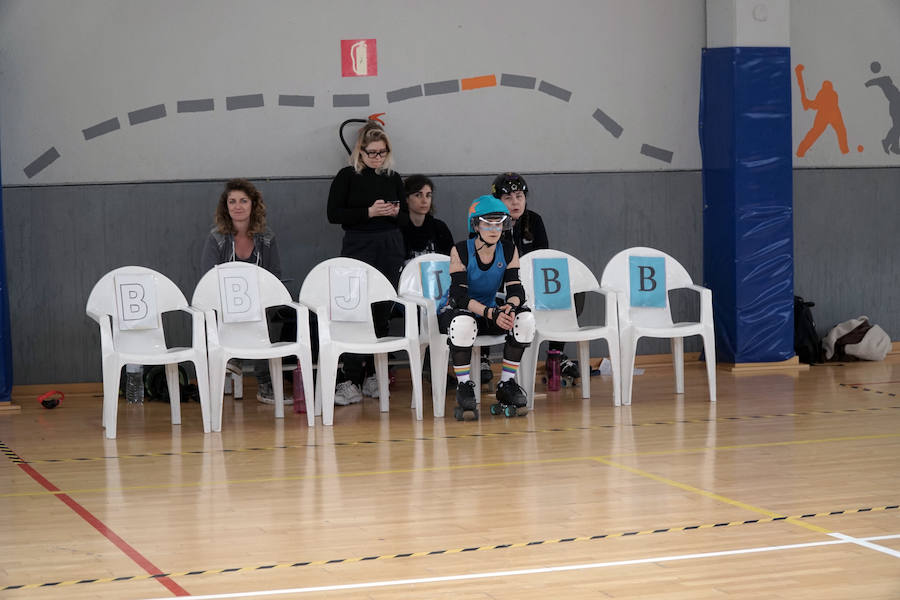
x: 807, y: 343
x: 856, y: 339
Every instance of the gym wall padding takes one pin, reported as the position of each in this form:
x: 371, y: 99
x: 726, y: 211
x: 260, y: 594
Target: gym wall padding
x: 748, y: 243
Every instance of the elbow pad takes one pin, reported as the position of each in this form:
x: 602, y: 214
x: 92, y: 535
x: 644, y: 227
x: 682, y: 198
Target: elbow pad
x: 459, y: 290
x: 515, y: 290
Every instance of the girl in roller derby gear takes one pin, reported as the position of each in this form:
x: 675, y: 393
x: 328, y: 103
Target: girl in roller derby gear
x: 479, y: 267
x: 528, y: 233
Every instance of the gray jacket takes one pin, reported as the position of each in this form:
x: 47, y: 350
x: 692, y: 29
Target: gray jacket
x: 219, y: 248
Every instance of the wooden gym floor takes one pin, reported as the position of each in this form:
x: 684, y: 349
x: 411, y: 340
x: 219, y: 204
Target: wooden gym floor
x: 787, y: 488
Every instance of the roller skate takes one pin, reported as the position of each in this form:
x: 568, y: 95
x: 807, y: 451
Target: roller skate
x: 569, y: 370
x: 510, y: 398
x: 465, y: 400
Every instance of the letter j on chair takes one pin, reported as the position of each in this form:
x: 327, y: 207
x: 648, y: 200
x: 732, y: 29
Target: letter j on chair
x: 436, y: 281
x: 647, y: 281
x: 551, y: 284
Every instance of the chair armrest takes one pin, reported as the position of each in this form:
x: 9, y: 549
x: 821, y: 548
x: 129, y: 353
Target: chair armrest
x: 324, y: 323
x: 212, y: 328
x: 198, y: 332
x: 706, y: 311
x: 612, y: 305
x: 410, y: 318
x: 106, y: 339
x: 302, y: 323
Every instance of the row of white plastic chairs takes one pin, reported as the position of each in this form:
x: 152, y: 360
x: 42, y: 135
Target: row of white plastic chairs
x: 229, y: 322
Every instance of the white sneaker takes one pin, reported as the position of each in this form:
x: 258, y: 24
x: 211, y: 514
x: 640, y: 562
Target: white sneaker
x: 346, y: 393
x: 370, y: 387
x: 266, y: 395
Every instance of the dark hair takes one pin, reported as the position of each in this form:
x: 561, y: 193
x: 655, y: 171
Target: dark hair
x: 415, y: 183
x: 257, y: 211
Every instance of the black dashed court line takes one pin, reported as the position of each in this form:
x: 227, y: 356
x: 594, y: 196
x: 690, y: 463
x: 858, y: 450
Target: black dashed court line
x: 199, y: 105
x: 144, y: 115
x: 295, y: 100
x: 41, y: 162
x: 99, y: 129
x: 421, y: 554
x: 245, y: 101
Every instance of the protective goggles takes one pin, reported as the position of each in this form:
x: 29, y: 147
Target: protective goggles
x: 495, y: 222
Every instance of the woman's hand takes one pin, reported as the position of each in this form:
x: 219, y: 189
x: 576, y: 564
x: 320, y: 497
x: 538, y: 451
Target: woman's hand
x: 384, y: 209
x: 505, y: 319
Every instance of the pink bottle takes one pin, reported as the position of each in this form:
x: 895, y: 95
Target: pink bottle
x: 554, y: 377
x: 299, y: 396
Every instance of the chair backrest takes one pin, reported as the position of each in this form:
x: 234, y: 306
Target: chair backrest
x: 207, y: 296
x: 316, y: 292
x: 634, y: 273
x: 113, y: 292
x: 553, y: 277
x: 411, y: 284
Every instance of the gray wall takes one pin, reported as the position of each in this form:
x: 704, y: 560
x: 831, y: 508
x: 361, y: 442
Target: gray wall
x: 61, y: 239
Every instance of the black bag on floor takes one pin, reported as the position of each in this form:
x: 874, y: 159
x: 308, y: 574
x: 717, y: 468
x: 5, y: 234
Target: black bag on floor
x: 807, y: 343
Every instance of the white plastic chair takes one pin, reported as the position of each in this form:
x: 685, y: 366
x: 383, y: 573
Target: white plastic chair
x: 639, y: 321
x: 120, y: 345
x: 358, y: 337
x: 411, y: 288
x: 562, y: 325
x: 250, y: 340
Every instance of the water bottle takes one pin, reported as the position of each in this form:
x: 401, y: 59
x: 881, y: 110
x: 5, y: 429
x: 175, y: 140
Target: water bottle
x: 554, y: 377
x: 299, y: 395
x: 134, y: 384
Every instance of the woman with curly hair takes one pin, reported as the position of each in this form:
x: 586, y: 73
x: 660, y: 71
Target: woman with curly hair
x: 241, y: 235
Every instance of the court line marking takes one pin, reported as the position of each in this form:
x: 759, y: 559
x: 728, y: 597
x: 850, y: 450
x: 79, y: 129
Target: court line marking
x: 420, y: 554
x: 707, y: 494
x: 202, y: 484
x: 517, y: 572
x: 867, y: 543
x: 487, y: 434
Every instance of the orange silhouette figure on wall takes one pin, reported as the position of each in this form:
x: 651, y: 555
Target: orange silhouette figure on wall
x: 829, y: 113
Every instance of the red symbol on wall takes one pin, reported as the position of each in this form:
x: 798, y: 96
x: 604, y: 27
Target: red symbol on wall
x: 359, y: 58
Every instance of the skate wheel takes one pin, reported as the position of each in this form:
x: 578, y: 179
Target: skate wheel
x: 509, y: 411
x: 495, y: 409
x: 458, y: 413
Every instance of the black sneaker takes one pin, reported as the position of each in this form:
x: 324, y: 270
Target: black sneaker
x: 510, y: 393
x: 465, y: 395
x: 486, y: 373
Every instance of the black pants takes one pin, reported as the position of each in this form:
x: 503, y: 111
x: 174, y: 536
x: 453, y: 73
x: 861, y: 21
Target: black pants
x: 383, y: 250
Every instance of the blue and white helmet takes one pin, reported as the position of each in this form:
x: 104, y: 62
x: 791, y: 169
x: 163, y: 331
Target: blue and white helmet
x: 485, y: 207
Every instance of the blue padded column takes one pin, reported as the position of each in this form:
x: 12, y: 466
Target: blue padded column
x: 748, y: 240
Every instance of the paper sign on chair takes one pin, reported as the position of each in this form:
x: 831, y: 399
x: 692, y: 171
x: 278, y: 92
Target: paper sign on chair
x: 436, y: 281
x: 239, y: 287
x: 647, y: 281
x: 551, y: 284
x: 349, y: 295
x: 136, y: 301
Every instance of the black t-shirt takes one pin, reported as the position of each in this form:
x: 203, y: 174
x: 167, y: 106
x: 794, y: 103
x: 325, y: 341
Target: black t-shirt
x: 528, y: 233
x: 352, y: 194
x: 432, y: 236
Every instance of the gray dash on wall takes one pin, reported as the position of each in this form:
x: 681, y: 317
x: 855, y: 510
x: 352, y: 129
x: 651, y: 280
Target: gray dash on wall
x: 41, y: 162
x: 294, y: 100
x: 406, y: 93
x: 247, y: 101
x: 442, y: 87
x: 556, y: 92
x: 518, y: 81
x: 608, y: 123
x: 202, y: 105
x: 151, y: 113
x: 348, y: 100
x: 657, y: 153
x: 101, y: 128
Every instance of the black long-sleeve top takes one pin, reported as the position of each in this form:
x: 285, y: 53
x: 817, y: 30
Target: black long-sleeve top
x: 528, y: 233
x: 352, y: 194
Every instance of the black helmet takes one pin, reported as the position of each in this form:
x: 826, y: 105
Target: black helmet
x: 507, y: 183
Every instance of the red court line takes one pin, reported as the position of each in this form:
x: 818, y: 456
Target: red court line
x: 106, y: 532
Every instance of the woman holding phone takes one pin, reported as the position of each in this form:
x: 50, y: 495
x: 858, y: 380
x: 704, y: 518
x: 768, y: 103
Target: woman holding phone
x: 368, y: 201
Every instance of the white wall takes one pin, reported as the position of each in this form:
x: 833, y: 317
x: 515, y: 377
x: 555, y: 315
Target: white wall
x: 67, y: 66
x: 837, y: 40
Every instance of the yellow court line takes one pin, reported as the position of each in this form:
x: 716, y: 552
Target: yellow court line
x: 712, y: 495
x: 199, y: 484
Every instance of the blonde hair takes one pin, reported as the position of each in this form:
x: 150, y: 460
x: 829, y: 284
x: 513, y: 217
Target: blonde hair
x: 371, y: 132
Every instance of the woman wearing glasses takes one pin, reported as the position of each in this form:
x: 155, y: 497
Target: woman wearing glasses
x: 479, y: 266
x: 367, y: 200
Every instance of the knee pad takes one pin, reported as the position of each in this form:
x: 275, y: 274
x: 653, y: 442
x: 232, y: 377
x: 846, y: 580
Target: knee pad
x: 522, y: 332
x: 462, y: 331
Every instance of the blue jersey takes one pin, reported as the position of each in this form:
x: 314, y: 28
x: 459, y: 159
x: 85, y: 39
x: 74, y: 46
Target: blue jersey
x: 484, y: 284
